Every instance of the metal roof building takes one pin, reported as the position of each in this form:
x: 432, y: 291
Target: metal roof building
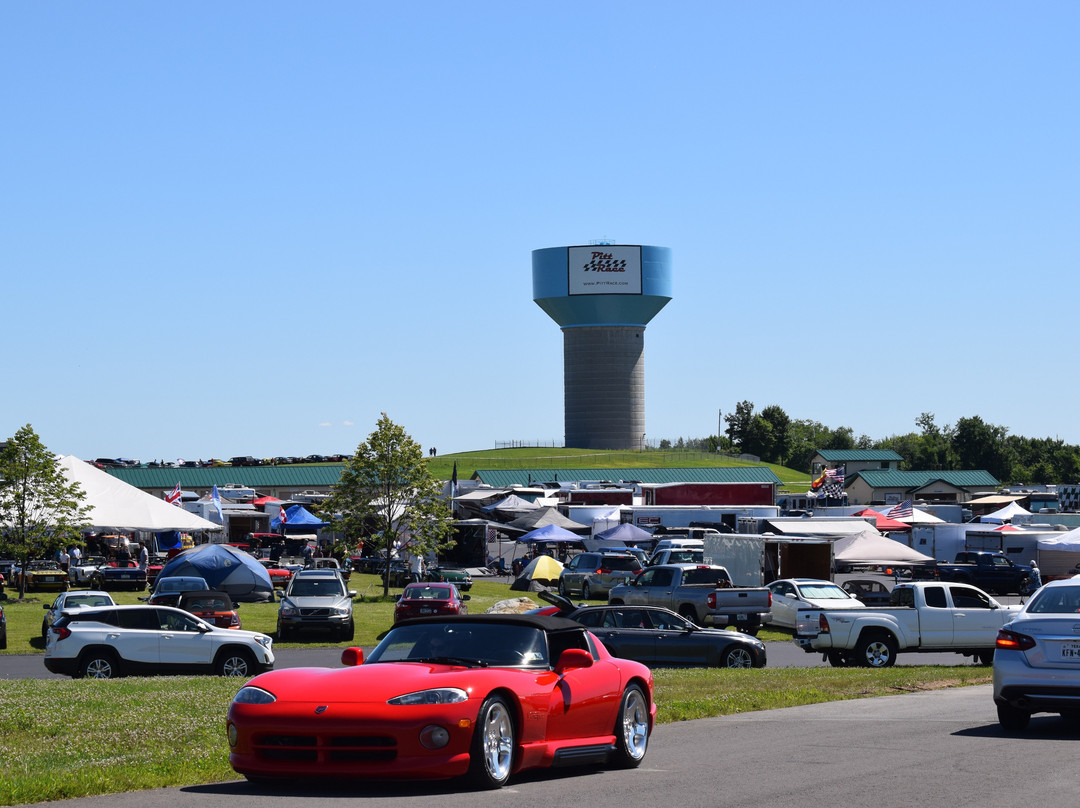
x: 504, y: 478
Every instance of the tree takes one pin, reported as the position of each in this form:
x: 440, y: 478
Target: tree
x: 738, y: 423
x: 387, y: 495
x: 780, y: 440
x: 40, y: 509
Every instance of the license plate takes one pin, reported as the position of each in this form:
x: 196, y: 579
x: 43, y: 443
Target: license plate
x: 740, y: 617
x: 1070, y: 650
x: 426, y: 611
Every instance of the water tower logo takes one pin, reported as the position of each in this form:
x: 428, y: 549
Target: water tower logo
x: 608, y: 271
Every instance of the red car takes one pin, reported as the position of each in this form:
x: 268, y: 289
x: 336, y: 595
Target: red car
x: 279, y: 575
x: 426, y: 600
x: 481, y: 696
x: 216, y: 608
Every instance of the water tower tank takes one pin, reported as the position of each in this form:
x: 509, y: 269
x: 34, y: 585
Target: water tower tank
x: 603, y: 296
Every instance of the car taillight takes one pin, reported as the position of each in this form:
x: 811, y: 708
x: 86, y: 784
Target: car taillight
x: 602, y: 571
x: 1014, y: 641
x: 711, y: 600
x: 61, y: 633
x: 234, y: 620
x: 823, y: 625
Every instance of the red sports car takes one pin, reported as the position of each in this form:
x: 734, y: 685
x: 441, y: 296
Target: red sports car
x: 279, y: 575
x: 482, y: 696
x: 423, y: 600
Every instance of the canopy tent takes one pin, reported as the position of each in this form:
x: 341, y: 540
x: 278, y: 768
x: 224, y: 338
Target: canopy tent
x: 1059, y: 556
x: 919, y: 518
x: 258, y: 503
x: 509, y: 505
x: 1007, y: 513
x: 550, y: 534
x: 870, y: 547
x: 110, y: 502
x: 626, y: 533
x: 881, y: 521
x: 541, y: 572
x: 223, y: 568
x: 544, y: 516
x: 607, y: 520
x: 297, y: 517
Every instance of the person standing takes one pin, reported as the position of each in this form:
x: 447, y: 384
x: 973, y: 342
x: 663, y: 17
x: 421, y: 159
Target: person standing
x: 416, y: 568
x: 144, y: 557
x: 64, y: 560
x: 1036, y: 578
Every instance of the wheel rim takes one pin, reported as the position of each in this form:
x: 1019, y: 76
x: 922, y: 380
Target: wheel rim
x: 635, y: 724
x: 739, y: 658
x: 99, y: 669
x: 585, y: 590
x: 234, y: 666
x: 498, y: 744
x: 877, y: 654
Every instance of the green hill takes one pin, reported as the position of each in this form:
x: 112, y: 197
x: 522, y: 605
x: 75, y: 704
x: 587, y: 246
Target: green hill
x: 547, y: 457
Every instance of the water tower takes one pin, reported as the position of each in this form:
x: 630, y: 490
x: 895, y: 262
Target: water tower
x: 603, y: 296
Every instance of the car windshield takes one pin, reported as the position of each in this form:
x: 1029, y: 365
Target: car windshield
x: 86, y: 600
x: 474, y: 644
x: 823, y: 592
x: 426, y: 593
x: 1055, y: 600
x: 316, y: 588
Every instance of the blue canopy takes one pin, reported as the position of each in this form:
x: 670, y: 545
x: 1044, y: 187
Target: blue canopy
x: 297, y: 516
x: 225, y: 569
x: 626, y: 533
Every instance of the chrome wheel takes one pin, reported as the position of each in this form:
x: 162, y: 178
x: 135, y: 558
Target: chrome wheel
x: 235, y: 664
x: 634, y: 727
x: 99, y: 668
x: 493, y: 747
x: 738, y: 658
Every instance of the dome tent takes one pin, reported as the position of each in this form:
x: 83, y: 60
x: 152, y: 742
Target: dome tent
x: 225, y: 569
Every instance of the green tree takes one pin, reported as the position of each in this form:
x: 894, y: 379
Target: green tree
x: 738, y: 423
x: 780, y: 439
x: 979, y: 445
x: 40, y: 509
x: 387, y: 495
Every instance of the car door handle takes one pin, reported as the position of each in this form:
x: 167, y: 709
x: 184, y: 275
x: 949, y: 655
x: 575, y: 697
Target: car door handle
x: 166, y: 636
x: 113, y: 636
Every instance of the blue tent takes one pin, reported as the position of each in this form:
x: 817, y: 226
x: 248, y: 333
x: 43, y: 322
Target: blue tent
x: 225, y: 569
x: 297, y: 516
x: 550, y: 534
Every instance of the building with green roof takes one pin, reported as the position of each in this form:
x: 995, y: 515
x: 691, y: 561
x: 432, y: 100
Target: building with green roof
x: 890, y: 486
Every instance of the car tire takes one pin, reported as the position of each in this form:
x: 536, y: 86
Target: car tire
x: 562, y: 588
x: 736, y: 657
x: 876, y: 650
x: 44, y: 628
x: 632, y: 730
x: 491, y: 757
x: 586, y: 594
x: 283, y: 634
x: 838, y: 659
x: 985, y: 658
x: 98, y: 665
x: 235, y: 662
x: 1012, y: 719
x: 688, y: 613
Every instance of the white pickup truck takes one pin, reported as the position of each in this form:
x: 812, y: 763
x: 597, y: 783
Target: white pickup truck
x: 924, y: 616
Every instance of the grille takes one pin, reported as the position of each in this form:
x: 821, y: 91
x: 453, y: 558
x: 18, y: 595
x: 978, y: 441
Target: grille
x: 335, y: 748
x: 323, y: 612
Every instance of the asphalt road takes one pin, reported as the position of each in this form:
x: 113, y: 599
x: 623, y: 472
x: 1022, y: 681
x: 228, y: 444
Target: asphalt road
x: 940, y: 748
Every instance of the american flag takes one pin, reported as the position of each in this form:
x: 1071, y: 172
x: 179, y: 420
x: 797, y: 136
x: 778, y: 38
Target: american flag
x: 836, y: 473
x: 174, y: 496
x: 901, y: 511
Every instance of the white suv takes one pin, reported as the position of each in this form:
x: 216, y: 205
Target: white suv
x: 109, y: 642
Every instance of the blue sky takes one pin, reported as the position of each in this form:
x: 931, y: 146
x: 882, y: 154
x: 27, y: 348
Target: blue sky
x: 251, y: 227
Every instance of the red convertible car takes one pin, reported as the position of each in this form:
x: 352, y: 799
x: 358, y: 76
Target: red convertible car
x: 480, y: 696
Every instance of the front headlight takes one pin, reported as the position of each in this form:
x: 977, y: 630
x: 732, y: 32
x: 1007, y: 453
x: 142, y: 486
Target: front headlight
x: 254, y: 695
x: 264, y: 641
x: 341, y: 611
x: 438, y: 695
x: 287, y: 609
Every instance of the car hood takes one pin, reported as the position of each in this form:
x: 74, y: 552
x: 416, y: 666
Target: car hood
x: 378, y: 682
x: 317, y: 602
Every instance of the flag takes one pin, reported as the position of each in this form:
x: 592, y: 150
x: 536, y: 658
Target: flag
x: 282, y: 516
x: 215, y: 497
x: 901, y: 511
x: 174, y: 497
x: 453, y: 482
x: 833, y: 490
x: 816, y: 484
x: 836, y: 474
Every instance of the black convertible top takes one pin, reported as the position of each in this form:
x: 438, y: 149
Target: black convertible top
x: 542, y: 622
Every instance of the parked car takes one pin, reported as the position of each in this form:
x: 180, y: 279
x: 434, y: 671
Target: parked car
x: 399, y: 572
x: 41, y: 576
x: 484, y: 696
x: 79, y: 574
x: 279, y: 575
x: 459, y: 578
x: 120, y: 575
x: 216, y: 608
x: 655, y: 636
x: 316, y: 599
x: 1037, y: 657
x: 592, y: 575
x: 82, y: 599
x: 423, y: 600
x: 120, y: 640
x: 791, y: 594
x: 167, y: 590
x: 328, y: 564
x: 868, y: 591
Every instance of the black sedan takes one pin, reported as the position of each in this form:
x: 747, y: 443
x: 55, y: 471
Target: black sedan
x: 660, y: 638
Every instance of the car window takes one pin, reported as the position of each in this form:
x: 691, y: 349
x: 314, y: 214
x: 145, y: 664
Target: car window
x: 1056, y: 600
x: 665, y: 620
x: 935, y: 597
x: 661, y: 577
x: 630, y: 618
x: 175, y: 621
x: 315, y: 587
x: 964, y: 598
x: 138, y: 619
x: 622, y: 563
x: 592, y: 618
x: 902, y: 596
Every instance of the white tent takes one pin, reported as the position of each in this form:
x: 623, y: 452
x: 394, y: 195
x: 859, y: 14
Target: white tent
x: 1007, y: 513
x: 113, y: 503
x: 917, y: 518
x: 870, y: 547
x: 1059, y: 554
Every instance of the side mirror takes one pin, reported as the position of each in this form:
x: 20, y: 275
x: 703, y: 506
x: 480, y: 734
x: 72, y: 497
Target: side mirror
x: 45, y: 606
x: 572, y: 659
x: 352, y: 656
x: 352, y: 593
x: 466, y: 597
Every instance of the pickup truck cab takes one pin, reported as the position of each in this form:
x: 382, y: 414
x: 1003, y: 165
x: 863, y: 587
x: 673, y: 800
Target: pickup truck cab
x: 993, y: 572
x: 924, y: 616
x: 702, y: 593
